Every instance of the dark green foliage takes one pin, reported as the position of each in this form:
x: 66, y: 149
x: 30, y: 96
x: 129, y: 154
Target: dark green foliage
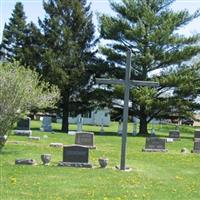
x: 149, y: 28
x: 14, y: 35
x: 67, y: 51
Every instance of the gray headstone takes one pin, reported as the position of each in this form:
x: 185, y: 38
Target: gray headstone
x: 75, y: 153
x: 197, y: 135
x: 46, y: 124
x: 120, y: 127
x: 85, y: 139
x: 196, y: 148
x: 175, y: 134
x: 24, y: 124
x: 154, y: 144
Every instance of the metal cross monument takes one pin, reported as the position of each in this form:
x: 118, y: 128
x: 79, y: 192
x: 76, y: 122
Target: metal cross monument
x: 128, y: 83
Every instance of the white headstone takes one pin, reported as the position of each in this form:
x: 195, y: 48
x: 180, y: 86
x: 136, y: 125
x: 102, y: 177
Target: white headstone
x: 79, y: 123
x: 102, y: 129
x: 46, y: 124
x: 120, y: 127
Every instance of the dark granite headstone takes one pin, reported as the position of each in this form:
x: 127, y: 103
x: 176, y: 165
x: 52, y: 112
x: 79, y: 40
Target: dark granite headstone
x: 24, y: 124
x: 75, y: 156
x: 197, y: 135
x: 85, y: 139
x: 175, y: 134
x: 196, y: 148
x: 154, y: 144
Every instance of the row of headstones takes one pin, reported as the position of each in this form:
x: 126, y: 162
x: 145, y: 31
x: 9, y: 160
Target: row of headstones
x: 23, y: 126
x: 154, y: 144
x: 76, y: 155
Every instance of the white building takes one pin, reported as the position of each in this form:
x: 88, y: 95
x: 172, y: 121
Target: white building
x: 96, y: 117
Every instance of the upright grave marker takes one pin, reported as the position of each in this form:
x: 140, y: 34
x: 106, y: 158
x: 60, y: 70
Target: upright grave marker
x: 127, y: 83
x: 174, y: 134
x: 196, y: 148
x: 79, y: 123
x: 23, y: 127
x: 154, y: 144
x: 85, y: 139
x: 46, y: 124
x: 75, y: 156
x: 197, y: 135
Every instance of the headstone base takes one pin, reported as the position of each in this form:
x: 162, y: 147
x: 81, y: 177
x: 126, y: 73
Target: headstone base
x: 72, y: 132
x: 154, y: 150
x: 23, y: 132
x: 25, y: 162
x: 46, y: 129
x: 73, y: 164
x: 176, y: 139
x: 169, y: 140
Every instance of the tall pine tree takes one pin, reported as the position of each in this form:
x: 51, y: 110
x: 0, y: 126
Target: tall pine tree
x: 150, y: 29
x: 67, y: 57
x: 14, y: 35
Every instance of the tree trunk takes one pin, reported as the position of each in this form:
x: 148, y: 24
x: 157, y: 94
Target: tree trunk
x: 65, y: 122
x: 143, y: 122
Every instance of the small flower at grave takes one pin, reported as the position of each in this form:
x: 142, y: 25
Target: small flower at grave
x: 13, y: 180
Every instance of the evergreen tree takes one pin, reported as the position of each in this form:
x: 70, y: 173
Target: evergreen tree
x: 149, y: 28
x: 67, y: 56
x: 14, y: 35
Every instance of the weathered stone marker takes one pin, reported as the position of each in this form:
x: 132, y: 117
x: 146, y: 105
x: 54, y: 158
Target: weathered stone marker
x: 175, y: 134
x: 23, y: 127
x: 85, y: 139
x: 46, y: 124
x: 128, y: 84
x: 196, y: 148
x: 154, y: 144
x: 24, y: 124
x: 197, y: 135
x: 75, y: 156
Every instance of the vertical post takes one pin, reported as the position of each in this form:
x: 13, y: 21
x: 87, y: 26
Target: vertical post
x: 125, y: 111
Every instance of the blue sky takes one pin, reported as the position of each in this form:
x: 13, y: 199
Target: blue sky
x: 34, y: 9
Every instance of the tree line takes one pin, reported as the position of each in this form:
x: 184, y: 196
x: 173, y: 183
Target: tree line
x: 66, y: 52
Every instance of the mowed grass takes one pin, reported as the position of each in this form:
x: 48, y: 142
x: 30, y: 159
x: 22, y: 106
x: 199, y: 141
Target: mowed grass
x: 154, y: 176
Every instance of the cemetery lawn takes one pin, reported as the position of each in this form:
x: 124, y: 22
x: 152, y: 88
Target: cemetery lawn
x: 154, y: 176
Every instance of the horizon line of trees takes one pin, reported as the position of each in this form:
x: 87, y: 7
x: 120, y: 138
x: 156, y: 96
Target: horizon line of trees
x: 65, y: 51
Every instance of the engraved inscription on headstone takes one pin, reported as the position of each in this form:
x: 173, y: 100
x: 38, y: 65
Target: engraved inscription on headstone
x: 154, y: 144
x: 175, y: 134
x: 196, y: 148
x: 75, y: 156
x: 85, y: 139
x: 197, y: 135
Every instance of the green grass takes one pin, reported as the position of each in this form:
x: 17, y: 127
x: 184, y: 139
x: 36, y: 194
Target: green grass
x: 155, y: 176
